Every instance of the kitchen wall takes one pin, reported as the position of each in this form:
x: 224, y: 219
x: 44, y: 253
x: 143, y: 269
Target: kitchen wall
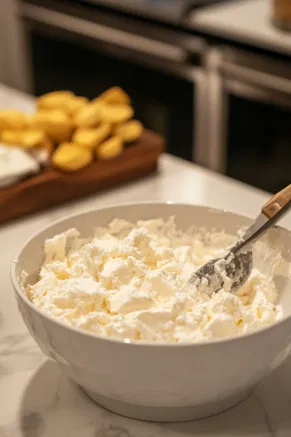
x: 13, y: 71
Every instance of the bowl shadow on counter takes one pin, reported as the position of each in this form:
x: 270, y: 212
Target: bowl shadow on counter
x: 53, y: 405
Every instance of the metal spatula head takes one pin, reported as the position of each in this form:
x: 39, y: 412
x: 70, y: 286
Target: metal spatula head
x: 229, y: 272
x: 232, y: 270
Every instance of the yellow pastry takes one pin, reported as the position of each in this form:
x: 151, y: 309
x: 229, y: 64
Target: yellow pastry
x: 31, y: 121
x: 110, y: 149
x: 97, y: 103
x: 29, y: 139
x: 88, y: 137
x: 129, y: 131
x: 74, y: 104
x: 10, y: 119
x: 70, y: 157
x: 114, y: 95
x: 32, y: 138
x: 116, y: 113
x: 57, y: 124
x: 12, y: 137
x: 54, y: 100
x: 88, y: 116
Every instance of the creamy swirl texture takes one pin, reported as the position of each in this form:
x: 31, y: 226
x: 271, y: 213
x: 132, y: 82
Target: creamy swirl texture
x: 127, y: 282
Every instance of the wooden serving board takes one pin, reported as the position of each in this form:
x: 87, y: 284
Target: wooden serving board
x: 52, y: 187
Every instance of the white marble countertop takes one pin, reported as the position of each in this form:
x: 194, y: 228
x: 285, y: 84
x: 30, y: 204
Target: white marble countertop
x: 245, y: 21
x: 37, y: 400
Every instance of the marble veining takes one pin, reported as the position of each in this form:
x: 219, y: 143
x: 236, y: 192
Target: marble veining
x: 266, y: 417
x: 32, y: 424
x: 17, y: 353
x: 37, y: 399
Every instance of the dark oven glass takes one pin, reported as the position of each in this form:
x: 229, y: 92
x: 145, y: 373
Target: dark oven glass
x: 259, y: 143
x: 163, y: 102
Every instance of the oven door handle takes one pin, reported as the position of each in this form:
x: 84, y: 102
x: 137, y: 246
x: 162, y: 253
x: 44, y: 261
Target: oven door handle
x: 256, y: 94
x: 258, y: 79
x: 98, y: 32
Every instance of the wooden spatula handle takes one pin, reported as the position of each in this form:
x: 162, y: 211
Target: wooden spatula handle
x: 277, y: 202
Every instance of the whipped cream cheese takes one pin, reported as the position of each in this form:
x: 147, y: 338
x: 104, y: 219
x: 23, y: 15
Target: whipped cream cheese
x: 127, y: 282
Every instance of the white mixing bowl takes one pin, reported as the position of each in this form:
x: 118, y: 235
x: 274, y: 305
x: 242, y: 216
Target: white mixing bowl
x: 154, y: 381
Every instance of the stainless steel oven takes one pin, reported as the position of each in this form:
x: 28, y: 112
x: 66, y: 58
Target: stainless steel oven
x: 250, y: 117
x: 76, y: 45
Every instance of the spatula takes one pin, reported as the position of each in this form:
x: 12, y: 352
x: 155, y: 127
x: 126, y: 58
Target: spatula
x: 233, y: 269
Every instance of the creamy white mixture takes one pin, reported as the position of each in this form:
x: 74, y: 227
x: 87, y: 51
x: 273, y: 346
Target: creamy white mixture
x: 127, y: 282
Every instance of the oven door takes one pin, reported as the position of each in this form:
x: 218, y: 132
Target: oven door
x: 78, y: 47
x: 251, y: 119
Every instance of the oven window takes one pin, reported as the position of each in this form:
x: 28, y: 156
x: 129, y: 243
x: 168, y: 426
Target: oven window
x: 162, y: 102
x: 259, y: 144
